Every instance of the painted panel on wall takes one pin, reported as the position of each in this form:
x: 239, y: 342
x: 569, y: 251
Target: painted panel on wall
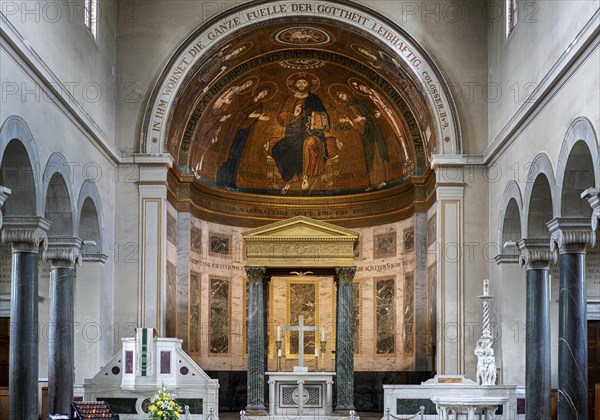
x: 219, y: 322
x: 196, y: 240
x: 385, y: 316
x: 302, y: 299
x: 384, y: 245
x: 409, y: 313
x: 431, y: 306
x: 431, y: 230
x: 195, y: 323
x: 171, y: 229
x: 171, y: 299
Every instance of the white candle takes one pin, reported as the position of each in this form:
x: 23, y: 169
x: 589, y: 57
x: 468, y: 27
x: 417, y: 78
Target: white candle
x: 486, y: 287
x: 316, y: 352
x: 278, y: 333
x: 322, y: 333
x: 278, y: 352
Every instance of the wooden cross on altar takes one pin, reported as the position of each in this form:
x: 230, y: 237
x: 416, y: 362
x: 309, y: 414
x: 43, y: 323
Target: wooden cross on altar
x: 300, y: 328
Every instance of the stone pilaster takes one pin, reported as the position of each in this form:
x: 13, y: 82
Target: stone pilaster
x: 344, y: 351
x: 536, y: 256
x: 63, y: 254
x: 152, y: 189
x: 4, y: 193
x: 570, y: 236
x: 510, y: 311
x: 256, y: 341
x: 25, y: 234
x: 450, y: 351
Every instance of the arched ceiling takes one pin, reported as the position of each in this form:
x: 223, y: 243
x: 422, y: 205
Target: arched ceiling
x: 282, y: 109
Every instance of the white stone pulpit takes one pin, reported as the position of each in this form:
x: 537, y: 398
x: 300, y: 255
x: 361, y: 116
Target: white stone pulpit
x: 134, y: 374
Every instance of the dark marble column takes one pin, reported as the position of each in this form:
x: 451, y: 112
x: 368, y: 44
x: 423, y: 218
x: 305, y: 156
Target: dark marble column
x: 62, y: 253
x: 571, y: 236
x: 25, y: 234
x: 536, y: 255
x: 344, y: 339
x: 266, y: 297
x: 256, y: 341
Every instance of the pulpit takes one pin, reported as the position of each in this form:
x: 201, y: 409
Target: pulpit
x: 130, y: 379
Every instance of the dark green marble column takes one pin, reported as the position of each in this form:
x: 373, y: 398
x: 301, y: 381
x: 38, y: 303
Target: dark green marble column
x: 571, y: 236
x: 256, y: 341
x: 25, y: 235
x: 536, y: 255
x: 344, y: 347
x: 62, y: 254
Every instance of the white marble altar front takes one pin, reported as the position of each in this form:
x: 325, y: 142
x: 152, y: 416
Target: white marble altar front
x: 452, y: 392
x: 455, y: 407
x: 285, y: 389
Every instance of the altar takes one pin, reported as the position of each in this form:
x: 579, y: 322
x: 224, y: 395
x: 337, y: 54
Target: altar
x: 300, y: 393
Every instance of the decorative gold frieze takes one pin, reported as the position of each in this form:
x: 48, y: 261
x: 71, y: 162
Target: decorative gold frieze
x: 253, y: 210
x: 300, y: 242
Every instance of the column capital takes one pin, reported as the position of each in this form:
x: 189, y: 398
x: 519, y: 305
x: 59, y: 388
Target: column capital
x: 571, y: 234
x: 256, y: 274
x: 593, y: 196
x: 25, y: 233
x: 535, y: 253
x: 4, y: 193
x: 63, y: 252
x: 345, y: 274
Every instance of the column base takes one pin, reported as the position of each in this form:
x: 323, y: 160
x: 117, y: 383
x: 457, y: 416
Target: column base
x: 259, y: 410
x: 343, y: 411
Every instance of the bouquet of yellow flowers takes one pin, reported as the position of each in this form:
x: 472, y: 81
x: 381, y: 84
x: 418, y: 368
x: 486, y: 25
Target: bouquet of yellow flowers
x: 163, y: 406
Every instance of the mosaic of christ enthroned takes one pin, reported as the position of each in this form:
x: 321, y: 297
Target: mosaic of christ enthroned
x: 306, y: 111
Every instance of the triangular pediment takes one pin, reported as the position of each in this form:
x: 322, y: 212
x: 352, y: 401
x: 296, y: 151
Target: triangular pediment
x: 301, y: 227
x: 300, y: 242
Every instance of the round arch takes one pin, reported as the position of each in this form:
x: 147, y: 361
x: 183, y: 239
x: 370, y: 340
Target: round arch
x: 15, y: 137
x: 194, y: 49
x: 57, y: 170
x: 578, y: 155
x: 511, y: 202
x: 540, y: 167
x: 90, y: 220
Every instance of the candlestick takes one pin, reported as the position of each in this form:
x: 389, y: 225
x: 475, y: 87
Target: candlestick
x: 486, y: 362
x: 316, y: 359
x: 322, y: 333
x: 279, y: 355
x: 278, y: 333
x: 323, y: 343
x: 486, y: 287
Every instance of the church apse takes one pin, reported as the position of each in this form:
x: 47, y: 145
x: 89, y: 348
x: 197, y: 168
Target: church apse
x: 312, y: 114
